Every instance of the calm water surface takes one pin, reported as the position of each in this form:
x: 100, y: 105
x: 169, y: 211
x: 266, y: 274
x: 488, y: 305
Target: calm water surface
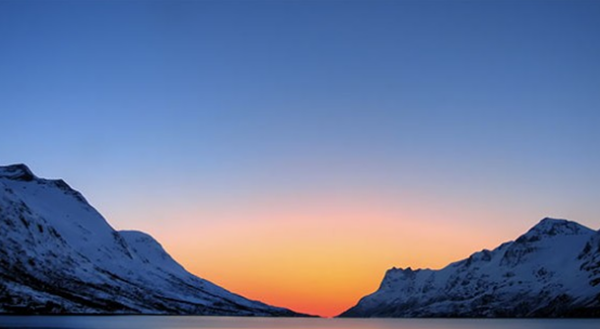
x: 196, y: 322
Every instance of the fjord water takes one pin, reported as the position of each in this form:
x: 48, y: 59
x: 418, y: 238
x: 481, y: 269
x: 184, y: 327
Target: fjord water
x: 199, y: 322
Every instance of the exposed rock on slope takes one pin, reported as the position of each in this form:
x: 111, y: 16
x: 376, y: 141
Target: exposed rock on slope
x: 553, y: 270
x: 59, y: 255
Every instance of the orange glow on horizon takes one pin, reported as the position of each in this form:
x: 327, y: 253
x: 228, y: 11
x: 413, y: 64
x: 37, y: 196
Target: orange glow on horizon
x: 317, y: 256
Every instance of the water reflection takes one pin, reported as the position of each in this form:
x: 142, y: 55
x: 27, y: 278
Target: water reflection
x: 195, y: 322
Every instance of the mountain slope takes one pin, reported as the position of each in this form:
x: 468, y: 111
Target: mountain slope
x: 59, y: 255
x: 553, y: 270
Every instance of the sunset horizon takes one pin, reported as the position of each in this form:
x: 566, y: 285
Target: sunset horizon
x: 301, y: 292
x: 322, y: 278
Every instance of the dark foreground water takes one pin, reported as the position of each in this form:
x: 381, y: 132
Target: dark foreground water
x: 196, y: 322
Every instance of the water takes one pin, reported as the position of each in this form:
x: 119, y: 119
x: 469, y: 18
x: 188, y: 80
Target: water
x: 197, y: 322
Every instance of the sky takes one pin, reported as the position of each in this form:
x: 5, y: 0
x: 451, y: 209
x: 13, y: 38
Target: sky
x: 293, y: 151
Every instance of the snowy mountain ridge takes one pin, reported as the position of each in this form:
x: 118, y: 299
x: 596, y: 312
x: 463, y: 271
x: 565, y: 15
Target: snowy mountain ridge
x: 553, y: 270
x: 59, y: 255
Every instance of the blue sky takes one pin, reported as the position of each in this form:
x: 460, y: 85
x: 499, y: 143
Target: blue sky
x: 480, y: 101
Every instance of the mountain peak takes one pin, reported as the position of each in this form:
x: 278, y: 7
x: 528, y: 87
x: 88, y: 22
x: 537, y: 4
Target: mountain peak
x: 60, y: 256
x: 551, y: 271
x: 552, y: 226
x: 17, y: 172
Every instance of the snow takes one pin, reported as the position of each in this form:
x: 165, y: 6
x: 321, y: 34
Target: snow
x: 519, y: 278
x: 60, y: 255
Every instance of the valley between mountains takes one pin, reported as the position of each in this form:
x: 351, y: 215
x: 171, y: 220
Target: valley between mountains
x: 59, y: 255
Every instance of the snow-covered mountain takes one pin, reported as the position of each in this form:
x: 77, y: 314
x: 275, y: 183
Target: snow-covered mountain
x: 553, y: 270
x: 59, y: 255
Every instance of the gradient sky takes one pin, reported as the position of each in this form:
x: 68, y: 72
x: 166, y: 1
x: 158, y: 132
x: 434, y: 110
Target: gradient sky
x: 292, y: 151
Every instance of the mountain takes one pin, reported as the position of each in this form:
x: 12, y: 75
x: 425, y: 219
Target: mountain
x: 59, y: 255
x: 553, y: 270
